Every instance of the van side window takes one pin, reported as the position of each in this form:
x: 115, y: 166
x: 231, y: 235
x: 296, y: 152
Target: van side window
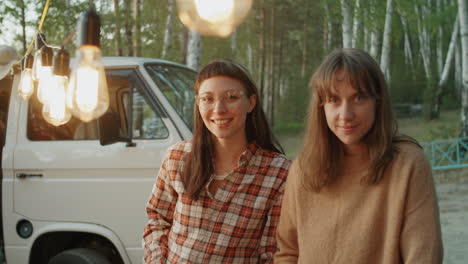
x: 146, y: 118
x: 176, y: 84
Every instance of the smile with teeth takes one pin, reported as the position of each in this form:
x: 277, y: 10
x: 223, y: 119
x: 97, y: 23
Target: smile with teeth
x: 220, y: 121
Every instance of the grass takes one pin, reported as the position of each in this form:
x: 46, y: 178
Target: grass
x: 290, y: 135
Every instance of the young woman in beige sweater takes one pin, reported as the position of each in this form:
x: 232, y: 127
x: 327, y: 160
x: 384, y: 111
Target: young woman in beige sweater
x: 358, y: 192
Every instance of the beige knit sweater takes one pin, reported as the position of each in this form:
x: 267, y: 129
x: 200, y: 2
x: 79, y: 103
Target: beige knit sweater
x: 395, y: 221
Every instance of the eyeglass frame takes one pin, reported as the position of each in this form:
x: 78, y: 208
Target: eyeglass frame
x: 223, y: 98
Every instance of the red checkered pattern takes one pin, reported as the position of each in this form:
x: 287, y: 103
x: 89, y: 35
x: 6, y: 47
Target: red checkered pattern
x: 237, y: 224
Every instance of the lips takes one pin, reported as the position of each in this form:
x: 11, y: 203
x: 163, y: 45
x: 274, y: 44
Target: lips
x: 347, y: 128
x: 221, y: 122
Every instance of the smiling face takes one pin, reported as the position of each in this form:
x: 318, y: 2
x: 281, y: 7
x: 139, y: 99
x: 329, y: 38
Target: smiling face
x: 350, y: 114
x: 223, y: 104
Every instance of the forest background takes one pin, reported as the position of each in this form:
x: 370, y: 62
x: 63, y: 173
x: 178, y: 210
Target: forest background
x: 421, y: 46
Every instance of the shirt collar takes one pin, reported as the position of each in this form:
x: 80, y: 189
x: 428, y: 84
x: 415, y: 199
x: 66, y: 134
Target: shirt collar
x: 248, y: 154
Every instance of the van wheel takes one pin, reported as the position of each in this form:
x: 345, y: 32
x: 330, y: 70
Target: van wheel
x: 79, y: 256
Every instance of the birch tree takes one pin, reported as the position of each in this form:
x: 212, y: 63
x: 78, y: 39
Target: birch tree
x: 168, y: 29
x: 118, y: 37
x: 386, y: 42
x: 356, y: 24
x: 374, y: 39
x: 463, y: 13
x: 137, y: 28
x: 445, y: 72
x: 193, y: 50
x: 347, y: 23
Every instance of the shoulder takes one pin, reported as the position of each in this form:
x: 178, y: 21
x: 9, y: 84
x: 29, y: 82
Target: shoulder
x: 409, y: 151
x: 179, y: 149
x: 273, y: 159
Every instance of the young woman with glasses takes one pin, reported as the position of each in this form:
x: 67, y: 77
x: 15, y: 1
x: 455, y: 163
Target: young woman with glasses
x: 217, y: 197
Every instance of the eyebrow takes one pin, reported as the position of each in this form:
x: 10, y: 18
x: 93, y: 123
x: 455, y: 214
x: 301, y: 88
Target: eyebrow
x: 227, y: 91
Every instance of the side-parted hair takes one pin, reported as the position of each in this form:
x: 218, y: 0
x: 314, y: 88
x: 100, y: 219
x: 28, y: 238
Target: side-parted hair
x: 321, y: 157
x: 198, y: 164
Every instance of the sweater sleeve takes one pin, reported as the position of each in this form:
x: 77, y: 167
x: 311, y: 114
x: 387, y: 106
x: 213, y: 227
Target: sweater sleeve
x: 160, y: 210
x: 421, y: 236
x: 286, y: 234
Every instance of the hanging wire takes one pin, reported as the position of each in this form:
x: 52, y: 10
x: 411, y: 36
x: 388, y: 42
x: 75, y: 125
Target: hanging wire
x: 41, y: 23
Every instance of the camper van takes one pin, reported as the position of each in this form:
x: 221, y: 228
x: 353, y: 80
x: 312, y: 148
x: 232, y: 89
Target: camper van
x: 76, y: 193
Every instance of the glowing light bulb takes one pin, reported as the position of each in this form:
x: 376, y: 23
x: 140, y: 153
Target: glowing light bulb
x: 55, y: 111
x: 26, y: 86
x: 88, y: 96
x: 214, y: 10
x: 37, y: 66
x: 45, y: 87
x: 213, y: 17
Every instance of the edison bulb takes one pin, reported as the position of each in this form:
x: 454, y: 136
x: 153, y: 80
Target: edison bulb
x: 88, y: 96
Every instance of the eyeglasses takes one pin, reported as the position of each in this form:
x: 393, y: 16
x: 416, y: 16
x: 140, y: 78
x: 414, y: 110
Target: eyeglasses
x: 230, y: 98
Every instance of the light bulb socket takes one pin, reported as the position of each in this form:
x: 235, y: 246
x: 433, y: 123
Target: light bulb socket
x: 47, y: 56
x: 89, y: 28
x: 62, y: 63
x: 40, y: 38
x: 28, y: 62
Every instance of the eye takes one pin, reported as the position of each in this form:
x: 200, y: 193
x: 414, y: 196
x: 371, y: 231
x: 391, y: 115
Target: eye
x: 206, y: 99
x: 360, y: 97
x: 332, y: 100
x: 232, y: 97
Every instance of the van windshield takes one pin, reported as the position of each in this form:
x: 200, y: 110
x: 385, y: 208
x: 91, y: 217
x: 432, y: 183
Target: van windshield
x: 176, y: 83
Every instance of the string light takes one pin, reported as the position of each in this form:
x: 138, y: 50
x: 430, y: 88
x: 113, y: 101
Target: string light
x: 213, y: 17
x: 55, y: 110
x: 26, y: 85
x: 87, y: 94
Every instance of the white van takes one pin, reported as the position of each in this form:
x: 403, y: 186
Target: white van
x: 77, y: 193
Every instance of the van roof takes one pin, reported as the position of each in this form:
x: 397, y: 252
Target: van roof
x: 133, y: 61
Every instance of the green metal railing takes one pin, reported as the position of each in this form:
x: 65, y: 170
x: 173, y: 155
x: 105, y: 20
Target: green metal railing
x: 447, y: 154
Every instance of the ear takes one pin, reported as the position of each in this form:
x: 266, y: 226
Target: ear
x: 253, y: 102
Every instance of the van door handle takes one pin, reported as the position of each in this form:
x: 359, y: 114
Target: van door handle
x: 27, y: 175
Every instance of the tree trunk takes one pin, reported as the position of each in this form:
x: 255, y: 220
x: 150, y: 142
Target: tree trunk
x: 356, y: 25
x: 263, y: 51
x: 437, y: 99
x: 375, y: 40
x: 440, y: 35
x: 458, y: 68
x: 118, y: 37
x: 304, y: 48
x: 407, y: 43
x: 463, y: 13
x: 168, y: 29
x: 347, y: 24
x: 136, y: 19
x: 128, y: 29
x: 193, y: 50
x: 329, y: 30
x: 386, y: 42
x: 424, y: 43
x: 183, y: 42
x: 234, y: 44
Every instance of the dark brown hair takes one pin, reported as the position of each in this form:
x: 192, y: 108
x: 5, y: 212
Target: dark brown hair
x: 198, y: 164
x: 320, y: 159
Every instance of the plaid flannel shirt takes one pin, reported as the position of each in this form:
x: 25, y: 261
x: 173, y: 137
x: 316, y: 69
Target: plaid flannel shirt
x: 237, y: 224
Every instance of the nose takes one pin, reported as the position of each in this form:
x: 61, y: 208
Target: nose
x: 219, y: 106
x: 347, y: 111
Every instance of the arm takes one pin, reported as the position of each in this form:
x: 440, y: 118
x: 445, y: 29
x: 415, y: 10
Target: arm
x: 286, y: 233
x: 160, y: 210
x: 421, y: 236
x: 268, y: 245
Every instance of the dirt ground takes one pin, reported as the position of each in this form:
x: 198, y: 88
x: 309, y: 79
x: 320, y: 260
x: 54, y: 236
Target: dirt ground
x: 452, y: 191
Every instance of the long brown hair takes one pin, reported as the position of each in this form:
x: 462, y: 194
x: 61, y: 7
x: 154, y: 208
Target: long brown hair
x: 320, y: 160
x: 199, y: 162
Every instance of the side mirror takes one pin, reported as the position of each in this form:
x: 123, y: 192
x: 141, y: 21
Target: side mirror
x: 109, y: 130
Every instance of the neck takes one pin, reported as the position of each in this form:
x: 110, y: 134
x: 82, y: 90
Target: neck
x: 227, y: 154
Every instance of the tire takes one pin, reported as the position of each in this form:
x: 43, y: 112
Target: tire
x: 79, y: 256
